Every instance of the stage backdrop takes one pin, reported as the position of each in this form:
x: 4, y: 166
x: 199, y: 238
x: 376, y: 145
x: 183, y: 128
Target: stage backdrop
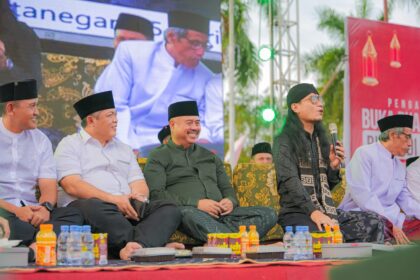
x: 382, y: 79
x: 76, y: 45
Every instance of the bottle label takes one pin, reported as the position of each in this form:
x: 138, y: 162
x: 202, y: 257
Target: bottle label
x: 45, y: 255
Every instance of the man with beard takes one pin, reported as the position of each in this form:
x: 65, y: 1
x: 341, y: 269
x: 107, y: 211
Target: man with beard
x: 195, y: 179
x: 308, y: 169
x: 100, y: 176
x: 148, y: 76
x: 376, y: 180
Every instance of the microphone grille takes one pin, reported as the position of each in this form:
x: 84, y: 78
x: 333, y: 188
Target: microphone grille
x: 332, y: 127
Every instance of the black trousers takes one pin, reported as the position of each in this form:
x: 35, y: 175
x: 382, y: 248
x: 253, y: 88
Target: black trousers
x: 26, y: 232
x: 356, y: 226
x: 160, y: 221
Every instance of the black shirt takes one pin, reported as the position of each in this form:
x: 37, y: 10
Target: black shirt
x: 294, y: 198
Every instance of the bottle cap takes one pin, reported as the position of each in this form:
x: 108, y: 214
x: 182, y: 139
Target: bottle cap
x: 73, y: 228
x: 242, y: 228
x: 86, y: 228
x: 46, y: 227
x: 252, y: 227
x: 289, y: 229
x: 64, y: 228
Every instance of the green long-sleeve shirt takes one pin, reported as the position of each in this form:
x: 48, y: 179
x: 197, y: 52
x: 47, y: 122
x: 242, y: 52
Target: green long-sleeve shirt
x: 185, y: 176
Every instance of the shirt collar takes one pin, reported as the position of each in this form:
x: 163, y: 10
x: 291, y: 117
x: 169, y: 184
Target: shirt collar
x: 180, y: 147
x: 8, y: 132
x: 86, y: 137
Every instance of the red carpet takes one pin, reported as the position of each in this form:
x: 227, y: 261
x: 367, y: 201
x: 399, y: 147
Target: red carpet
x: 217, y: 271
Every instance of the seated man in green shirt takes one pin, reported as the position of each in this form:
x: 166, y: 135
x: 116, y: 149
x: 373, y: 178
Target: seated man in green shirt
x: 195, y: 179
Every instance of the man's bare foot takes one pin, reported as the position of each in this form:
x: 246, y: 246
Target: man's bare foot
x: 175, y: 245
x: 128, y: 250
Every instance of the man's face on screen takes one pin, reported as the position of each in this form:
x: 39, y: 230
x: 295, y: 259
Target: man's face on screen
x: 190, y: 49
x: 126, y: 35
x: 185, y: 130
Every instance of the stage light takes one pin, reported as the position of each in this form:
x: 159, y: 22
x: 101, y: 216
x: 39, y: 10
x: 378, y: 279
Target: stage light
x: 265, y: 53
x: 268, y: 114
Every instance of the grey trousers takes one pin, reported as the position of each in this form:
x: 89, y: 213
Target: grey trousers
x: 198, y: 224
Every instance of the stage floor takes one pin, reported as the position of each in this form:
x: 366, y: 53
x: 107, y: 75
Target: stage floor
x: 181, y: 269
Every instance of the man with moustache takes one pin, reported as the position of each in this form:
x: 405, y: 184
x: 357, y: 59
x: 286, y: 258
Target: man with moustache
x: 128, y: 27
x: 195, y: 179
x: 27, y: 163
x: 308, y: 169
x: 148, y: 76
x: 101, y: 177
x: 376, y: 180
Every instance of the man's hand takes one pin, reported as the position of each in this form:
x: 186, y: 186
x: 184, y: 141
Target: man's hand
x: 41, y: 215
x: 124, y: 205
x: 400, y: 236
x: 226, y: 205
x: 211, y: 207
x: 320, y: 219
x: 139, y: 196
x: 25, y: 214
x: 3, y: 57
x: 336, y: 159
x: 4, y: 228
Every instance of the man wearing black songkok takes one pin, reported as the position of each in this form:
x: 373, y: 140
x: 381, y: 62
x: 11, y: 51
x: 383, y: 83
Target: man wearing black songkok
x: 100, y: 176
x: 28, y: 181
x: 195, y: 179
x: 164, y: 134
x: 376, y: 180
x: 261, y: 153
x: 20, y: 49
x: 145, y: 77
x: 308, y: 169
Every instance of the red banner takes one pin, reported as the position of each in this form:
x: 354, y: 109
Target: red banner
x: 383, y: 78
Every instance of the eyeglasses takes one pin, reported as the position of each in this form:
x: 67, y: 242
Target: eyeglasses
x: 407, y: 136
x: 315, y: 98
x: 195, y: 44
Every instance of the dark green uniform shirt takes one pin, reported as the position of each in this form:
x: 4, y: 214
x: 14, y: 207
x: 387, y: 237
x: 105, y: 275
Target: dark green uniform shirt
x: 185, y: 176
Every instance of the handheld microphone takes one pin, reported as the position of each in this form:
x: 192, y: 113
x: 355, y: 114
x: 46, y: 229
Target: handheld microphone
x: 334, y: 138
x: 333, y: 131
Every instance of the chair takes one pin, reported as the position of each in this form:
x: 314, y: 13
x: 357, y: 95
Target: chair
x: 256, y: 185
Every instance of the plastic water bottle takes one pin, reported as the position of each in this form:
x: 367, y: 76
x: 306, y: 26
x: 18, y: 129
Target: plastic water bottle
x: 74, y: 246
x: 288, y: 243
x: 87, y: 246
x: 299, y: 244
x: 309, y: 255
x: 62, y: 246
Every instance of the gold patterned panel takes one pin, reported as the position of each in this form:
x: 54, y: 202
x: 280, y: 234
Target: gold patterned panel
x: 256, y: 185
x: 183, y: 238
x: 338, y: 192
x: 142, y: 162
x: 66, y: 79
x: 228, y: 170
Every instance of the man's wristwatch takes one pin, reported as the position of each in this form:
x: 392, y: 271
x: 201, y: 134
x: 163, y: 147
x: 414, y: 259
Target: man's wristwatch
x: 48, y: 206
